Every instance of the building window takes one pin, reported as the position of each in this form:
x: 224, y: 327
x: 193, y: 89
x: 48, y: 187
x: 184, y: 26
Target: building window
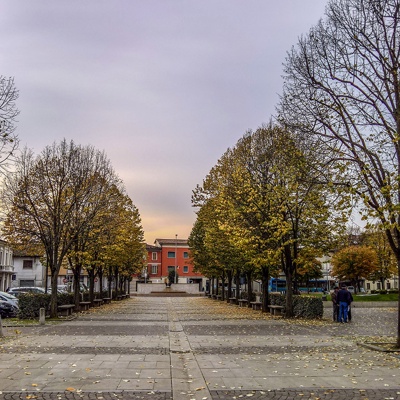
x: 185, y: 269
x: 171, y: 254
x: 154, y: 255
x: 154, y: 269
x: 368, y: 286
x: 387, y: 285
x: 27, y: 264
x: 185, y: 254
x: 378, y: 285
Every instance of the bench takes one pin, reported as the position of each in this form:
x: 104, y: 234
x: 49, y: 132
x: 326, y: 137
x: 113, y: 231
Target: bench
x: 256, y: 305
x: 275, y: 310
x: 219, y: 297
x: 243, y: 302
x: 233, y: 300
x: 66, y: 310
x: 97, y: 302
x: 106, y: 300
x: 84, y: 305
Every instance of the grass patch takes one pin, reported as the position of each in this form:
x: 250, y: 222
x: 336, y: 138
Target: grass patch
x: 11, y: 322
x: 373, y: 297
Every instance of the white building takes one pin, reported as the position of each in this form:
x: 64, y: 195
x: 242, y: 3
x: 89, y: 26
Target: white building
x: 6, y: 266
x: 28, y: 271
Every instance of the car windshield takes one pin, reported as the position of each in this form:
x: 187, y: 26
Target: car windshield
x: 8, y: 295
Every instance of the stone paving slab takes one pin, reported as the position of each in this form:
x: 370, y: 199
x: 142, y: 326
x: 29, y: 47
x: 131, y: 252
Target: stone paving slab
x: 196, y: 348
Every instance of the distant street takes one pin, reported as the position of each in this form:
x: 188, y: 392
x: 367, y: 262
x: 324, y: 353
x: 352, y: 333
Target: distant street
x: 197, y: 348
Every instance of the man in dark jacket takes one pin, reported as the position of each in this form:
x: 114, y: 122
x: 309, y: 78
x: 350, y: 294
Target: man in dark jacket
x: 343, y: 298
x: 335, y: 304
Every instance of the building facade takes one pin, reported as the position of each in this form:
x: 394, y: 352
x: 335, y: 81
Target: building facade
x: 170, y: 254
x: 28, y: 271
x: 6, y: 266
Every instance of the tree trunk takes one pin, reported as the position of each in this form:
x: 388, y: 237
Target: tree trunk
x: 109, y: 279
x: 249, y: 288
x: 229, y: 276
x: 53, y: 301
x: 77, y: 274
x: 91, y: 284
x: 237, y: 285
x: 223, y: 286
x: 265, y: 292
x: 398, y: 303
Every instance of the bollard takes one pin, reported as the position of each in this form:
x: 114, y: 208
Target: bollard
x: 42, y: 316
x: 1, y: 328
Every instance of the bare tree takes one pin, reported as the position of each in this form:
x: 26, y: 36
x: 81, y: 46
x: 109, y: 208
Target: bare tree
x: 54, y: 196
x: 8, y: 113
x: 342, y: 87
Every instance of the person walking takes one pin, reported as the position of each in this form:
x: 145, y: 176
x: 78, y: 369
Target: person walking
x: 343, y: 298
x: 335, y: 305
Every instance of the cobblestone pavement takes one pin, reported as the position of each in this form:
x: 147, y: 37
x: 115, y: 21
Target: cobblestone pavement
x: 197, y: 348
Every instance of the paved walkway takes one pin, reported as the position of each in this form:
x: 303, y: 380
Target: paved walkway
x: 197, y: 348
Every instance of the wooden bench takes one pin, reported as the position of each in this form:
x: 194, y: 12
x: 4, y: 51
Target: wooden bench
x: 98, y: 302
x: 219, y: 297
x: 106, y: 300
x: 256, y: 305
x: 275, y: 310
x: 243, y: 302
x: 84, y: 305
x: 66, y: 309
x: 233, y: 300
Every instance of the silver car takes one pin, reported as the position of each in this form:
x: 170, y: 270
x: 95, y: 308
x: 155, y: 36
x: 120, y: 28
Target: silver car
x: 9, y: 298
x: 15, y: 291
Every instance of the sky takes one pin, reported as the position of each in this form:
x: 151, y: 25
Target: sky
x: 164, y: 87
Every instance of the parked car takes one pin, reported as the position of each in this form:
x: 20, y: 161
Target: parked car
x: 7, y: 310
x: 15, y: 291
x: 9, y: 298
x: 350, y: 289
x: 60, y: 289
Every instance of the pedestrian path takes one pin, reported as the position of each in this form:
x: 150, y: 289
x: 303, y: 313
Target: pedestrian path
x: 197, y: 348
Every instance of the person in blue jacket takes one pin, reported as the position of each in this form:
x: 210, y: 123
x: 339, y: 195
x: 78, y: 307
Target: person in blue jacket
x: 343, y: 298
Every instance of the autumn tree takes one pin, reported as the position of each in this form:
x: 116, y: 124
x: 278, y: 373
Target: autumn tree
x: 271, y: 203
x: 353, y: 263
x: 341, y: 89
x: 8, y: 113
x: 48, y: 192
x: 308, y: 267
x: 387, y: 267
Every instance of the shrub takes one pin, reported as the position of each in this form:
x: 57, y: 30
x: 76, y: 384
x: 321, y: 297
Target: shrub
x: 303, y: 306
x: 382, y: 292
x: 30, y: 304
x: 245, y: 296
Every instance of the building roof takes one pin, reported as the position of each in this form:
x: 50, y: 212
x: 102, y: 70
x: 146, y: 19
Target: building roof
x: 171, y: 242
x: 150, y: 247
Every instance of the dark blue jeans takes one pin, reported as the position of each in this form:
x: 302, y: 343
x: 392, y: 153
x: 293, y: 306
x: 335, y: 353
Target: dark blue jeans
x: 343, y: 307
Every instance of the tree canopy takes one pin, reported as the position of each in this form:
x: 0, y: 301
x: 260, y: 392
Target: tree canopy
x: 342, y: 90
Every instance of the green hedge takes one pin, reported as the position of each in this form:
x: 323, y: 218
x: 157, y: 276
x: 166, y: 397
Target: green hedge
x: 303, y: 306
x: 30, y: 304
